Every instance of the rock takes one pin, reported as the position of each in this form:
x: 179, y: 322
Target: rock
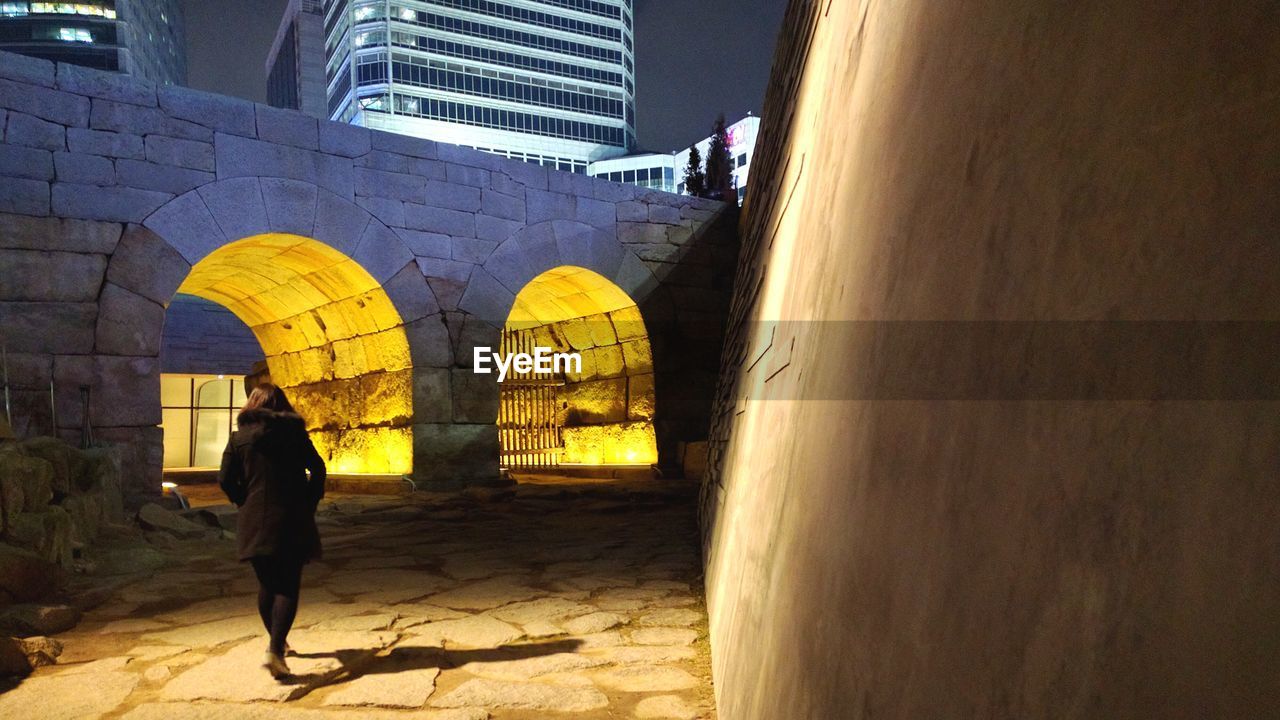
x: 665, y: 706
x: 222, y: 517
x: 57, y: 536
x: 26, y: 531
x: 664, y: 636
x: 153, y: 517
x: 157, y: 673
x: 210, y: 634
x: 68, y: 697
x: 132, y: 625
x: 62, y: 459
x: 272, y: 711
x: 485, y: 595
x: 522, y: 696
x: 237, y: 676
x: 34, y: 475
x: 647, y: 655
x: 645, y: 678
x: 415, y: 583
x: 359, y: 623
x: 40, y: 651
x: 161, y: 539
x: 28, y: 620
x: 541, y: 629
x: 131, y: 559
x: 13, y: 658
x: 101, y: 474
x: 593, y: 623
x: 12, y: 498
x: 545, y: 609
x: 402, y: 689
x: 532, y: 667
x: 86, y: 515
x: 25, y: 575
x: 475, y: 631
x: 672, y: 617
x: 107, y: 664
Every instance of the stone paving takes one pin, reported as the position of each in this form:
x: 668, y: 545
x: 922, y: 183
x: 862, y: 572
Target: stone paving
x: 552, y: 599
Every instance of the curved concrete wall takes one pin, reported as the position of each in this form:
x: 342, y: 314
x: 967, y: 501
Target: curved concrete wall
x: 1020, y: 470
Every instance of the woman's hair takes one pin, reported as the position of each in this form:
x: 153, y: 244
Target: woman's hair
x: 267, y: 397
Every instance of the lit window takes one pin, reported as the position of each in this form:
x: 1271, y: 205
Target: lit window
x: 75, y: 35
x: 11, y: 9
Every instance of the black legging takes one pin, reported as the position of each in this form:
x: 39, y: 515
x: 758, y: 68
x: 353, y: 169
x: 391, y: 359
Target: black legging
x: 279, y: 584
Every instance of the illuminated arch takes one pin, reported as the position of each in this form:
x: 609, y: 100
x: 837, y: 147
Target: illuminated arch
x: 332, y: 338
x: 605, y: 411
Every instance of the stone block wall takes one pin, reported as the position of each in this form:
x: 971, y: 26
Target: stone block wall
x: 202, y: 337
x: 606, y: 409
x: 111, y: 190
x: 999, y: 426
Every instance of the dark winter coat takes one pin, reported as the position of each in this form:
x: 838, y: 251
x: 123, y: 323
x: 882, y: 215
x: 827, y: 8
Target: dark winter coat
x: 264, y: 473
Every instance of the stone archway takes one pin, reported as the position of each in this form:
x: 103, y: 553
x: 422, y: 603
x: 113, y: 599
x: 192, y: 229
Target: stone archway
x: 599, y: 413
x: 211, y: 242
x: 332, y: 339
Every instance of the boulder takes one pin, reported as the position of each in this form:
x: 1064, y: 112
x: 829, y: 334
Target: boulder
x: 86, y: 515
x: 27, y: 576
x: 105, y: 469
x: 12, y: 500
x: 222, y: 517
x: 26, y: 531
x: 41, y: 651
x: 56, y: 542
x: 33, y: 474
x: 19, y: 656
x: 61, y: 457
x: 29, y: 620
x: 153, y: 517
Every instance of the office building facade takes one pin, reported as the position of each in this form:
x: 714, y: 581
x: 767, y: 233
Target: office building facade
x: 545, y: 81
x: 665, y: 171
x: 146, y: 38
x: 295, y: 64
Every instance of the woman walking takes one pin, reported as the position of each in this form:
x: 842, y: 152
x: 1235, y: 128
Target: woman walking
x: 264, y: 472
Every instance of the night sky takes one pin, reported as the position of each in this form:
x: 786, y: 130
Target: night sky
x: 694, y: 58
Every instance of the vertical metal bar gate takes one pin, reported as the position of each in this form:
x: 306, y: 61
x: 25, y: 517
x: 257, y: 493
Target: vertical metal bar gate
x: 528, y: 421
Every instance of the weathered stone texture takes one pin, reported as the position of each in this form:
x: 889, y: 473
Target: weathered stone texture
x: 445, y: 229
x: 27, y: 197
x: 183, y: 153
x: 84, y: 169
x: 120, y: 204
x: 103, y: 84
x: 50, y: 276
x: 24, y: 129
x: 23, y: 162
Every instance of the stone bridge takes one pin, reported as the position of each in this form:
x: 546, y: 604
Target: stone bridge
x: 369, y: 265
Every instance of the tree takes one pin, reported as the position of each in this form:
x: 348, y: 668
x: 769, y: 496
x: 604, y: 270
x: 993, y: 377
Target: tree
x: 695, y: 183
x: 719, y: 174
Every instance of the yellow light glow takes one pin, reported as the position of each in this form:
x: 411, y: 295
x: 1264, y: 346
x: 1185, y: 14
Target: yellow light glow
x: 606, y: 409
x: 333, y: 340
x: 617, y: 444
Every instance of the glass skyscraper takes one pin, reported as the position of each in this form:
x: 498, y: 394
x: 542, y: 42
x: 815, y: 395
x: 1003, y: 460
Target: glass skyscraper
x: 546, y: 81
x: 140, y: 37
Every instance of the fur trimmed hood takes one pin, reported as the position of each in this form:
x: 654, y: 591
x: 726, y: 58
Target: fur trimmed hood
x: 270, y: 418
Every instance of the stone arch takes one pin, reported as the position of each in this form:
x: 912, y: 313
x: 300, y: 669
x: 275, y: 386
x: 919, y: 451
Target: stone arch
x: 198, y: 241
x: 605, y: 408
x: 537, y: 248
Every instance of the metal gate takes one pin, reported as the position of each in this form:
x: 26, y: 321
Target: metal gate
x: 528, y: 424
